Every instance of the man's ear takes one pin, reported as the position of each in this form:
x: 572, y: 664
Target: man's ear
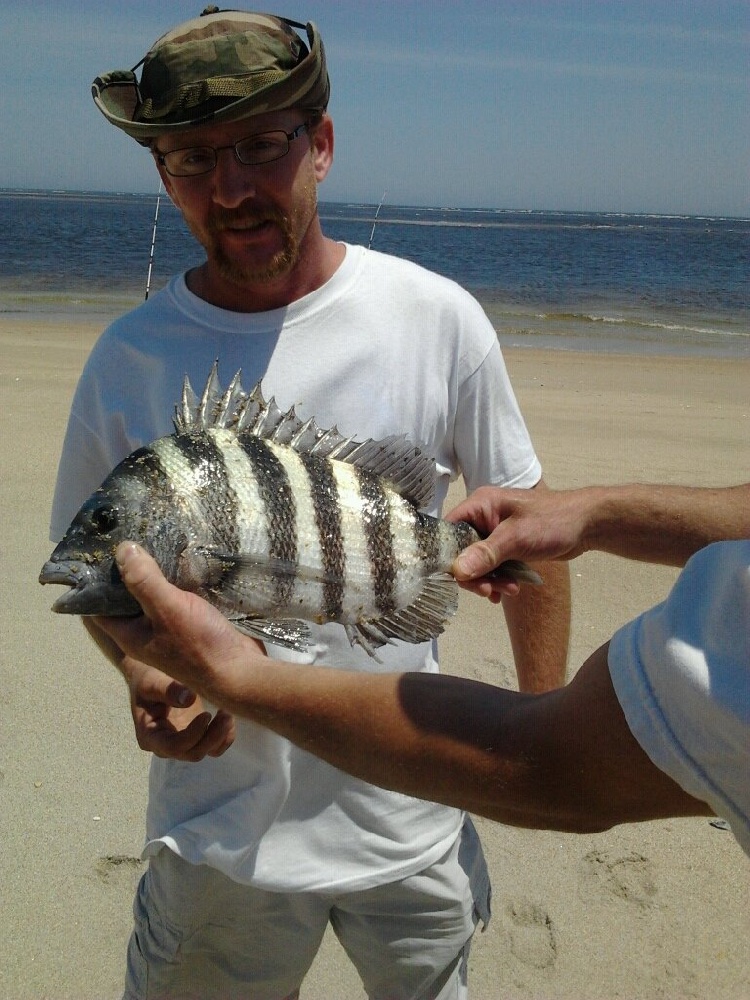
x: 321, y: 146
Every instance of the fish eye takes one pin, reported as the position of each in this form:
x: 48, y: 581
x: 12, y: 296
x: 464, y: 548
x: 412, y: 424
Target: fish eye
x: 104, y: 519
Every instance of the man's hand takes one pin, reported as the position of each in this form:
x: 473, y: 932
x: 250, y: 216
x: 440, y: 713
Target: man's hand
x: 170, y: 720
x: 533, y: 525
x: 178, y: 636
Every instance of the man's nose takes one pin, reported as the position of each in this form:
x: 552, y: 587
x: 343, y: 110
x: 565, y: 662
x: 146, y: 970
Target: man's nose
x: 233, y: 181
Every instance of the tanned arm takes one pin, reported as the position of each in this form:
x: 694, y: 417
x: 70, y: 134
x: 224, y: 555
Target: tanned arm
x: 564, y: 760
x: 661, y: 524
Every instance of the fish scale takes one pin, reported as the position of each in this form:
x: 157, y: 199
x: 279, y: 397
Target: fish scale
x: 327, y: 514
x: 279, y: 507
x: 276, y: 522
x: 251, y: 529
x: 380, y: 542
x: 218, y: 503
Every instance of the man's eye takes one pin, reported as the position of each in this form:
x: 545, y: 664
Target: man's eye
x: 262, y: 147
x: 259, y: 145
x: 195, y: 157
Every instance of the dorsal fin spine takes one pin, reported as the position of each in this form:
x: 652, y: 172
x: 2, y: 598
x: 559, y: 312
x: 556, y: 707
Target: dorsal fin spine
x: 409, y: 470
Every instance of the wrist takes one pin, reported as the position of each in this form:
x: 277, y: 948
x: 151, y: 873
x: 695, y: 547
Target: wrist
x: 229, y: 676
x: 599, y: 518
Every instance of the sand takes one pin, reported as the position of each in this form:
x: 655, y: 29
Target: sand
x: 643, y: 911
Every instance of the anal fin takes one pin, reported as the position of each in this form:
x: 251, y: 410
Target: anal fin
x: 420, y: 621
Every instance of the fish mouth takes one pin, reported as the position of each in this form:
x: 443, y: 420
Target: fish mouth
x: 89, y: 593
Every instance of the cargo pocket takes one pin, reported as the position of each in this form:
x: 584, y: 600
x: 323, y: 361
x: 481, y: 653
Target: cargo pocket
x: 472, y: 861
x: 153, y: 955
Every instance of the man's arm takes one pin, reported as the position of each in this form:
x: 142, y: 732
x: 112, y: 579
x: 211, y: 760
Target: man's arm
x: 662, y: 524
x: 562, y: 760
x: 538, y: 620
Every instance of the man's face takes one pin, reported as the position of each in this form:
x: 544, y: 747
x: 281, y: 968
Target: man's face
x: 250, y: 219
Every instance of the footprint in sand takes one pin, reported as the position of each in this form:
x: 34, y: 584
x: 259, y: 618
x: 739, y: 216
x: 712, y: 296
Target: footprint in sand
x: 117, y: 866
x: 531, y: 934
x: 629, y: 877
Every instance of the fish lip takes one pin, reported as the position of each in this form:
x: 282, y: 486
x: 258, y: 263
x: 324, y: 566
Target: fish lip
x: 73, y: 572
x: 54, y: 572
x: 88, y: 595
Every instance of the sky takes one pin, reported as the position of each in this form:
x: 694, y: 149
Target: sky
x: 597, y: 105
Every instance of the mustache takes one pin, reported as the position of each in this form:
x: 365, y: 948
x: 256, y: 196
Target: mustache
x: 232, y: 218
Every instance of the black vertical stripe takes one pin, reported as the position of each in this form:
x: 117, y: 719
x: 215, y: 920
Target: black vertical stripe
x: 427, y: 534
x: 155, y: 497
x: 380, y: 545
x: 280, y: 511
x: 218, y: 500
x: 145, y: 465
x: 327, y: 511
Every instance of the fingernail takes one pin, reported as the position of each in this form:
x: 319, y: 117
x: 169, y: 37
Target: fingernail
x: 183, y: 697
x: 461, y: 565
x: 124, y: 552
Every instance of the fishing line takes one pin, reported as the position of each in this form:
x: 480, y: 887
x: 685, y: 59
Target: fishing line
x: 153, y: 241
x: 375, y: 220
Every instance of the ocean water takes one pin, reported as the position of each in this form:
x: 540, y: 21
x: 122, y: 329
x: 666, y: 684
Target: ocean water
x: 587, y: 281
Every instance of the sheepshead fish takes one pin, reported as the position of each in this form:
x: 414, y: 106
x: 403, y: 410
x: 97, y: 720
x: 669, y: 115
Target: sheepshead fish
x: 275, y: 522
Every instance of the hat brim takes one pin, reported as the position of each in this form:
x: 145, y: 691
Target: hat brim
x: 118, y: 97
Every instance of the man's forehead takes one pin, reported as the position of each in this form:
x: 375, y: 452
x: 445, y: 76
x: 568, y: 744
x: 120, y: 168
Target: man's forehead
x: 227, y: 132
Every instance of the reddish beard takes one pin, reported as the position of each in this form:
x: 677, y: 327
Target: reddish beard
x: 232, y: 270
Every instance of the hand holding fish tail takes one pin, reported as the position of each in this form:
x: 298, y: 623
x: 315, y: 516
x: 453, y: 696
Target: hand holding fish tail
x: 535, y: 525
x: 660, y: 524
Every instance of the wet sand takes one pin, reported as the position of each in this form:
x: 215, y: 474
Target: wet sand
x: 656, y: 910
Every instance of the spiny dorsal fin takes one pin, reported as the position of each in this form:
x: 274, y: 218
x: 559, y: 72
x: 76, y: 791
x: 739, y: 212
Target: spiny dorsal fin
x: 205, y: 412
x: 407, y: 468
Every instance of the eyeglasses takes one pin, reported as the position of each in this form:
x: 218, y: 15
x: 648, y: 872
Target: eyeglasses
x: 264, y: 147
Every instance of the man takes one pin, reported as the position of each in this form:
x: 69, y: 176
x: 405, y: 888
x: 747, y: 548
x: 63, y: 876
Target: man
x: 656, y: 723
x: 255, y: 846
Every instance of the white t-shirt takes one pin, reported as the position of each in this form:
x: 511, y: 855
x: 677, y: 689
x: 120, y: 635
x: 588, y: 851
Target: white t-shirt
x: 682, y: 675
x: 384, y: 347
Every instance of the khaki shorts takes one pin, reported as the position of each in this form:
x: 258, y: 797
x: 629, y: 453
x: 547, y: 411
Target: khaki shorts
x: 200, y: 936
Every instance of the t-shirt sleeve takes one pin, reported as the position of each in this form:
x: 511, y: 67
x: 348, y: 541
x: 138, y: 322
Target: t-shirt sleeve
x: 682, y: 675
x: 95, y: 441
x: 491, y: 441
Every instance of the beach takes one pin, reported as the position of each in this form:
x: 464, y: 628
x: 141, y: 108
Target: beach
x: 655, y: 910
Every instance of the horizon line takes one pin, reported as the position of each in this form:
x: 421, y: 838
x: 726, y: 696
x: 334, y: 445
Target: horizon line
x: 643, y: 213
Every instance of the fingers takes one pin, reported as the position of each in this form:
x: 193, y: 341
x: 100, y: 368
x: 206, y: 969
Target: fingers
x: 493, y: 590
x: 481, y: 509
x: 170, y: 720
x: 221, y: 733
x: 488, y: 510
x: 141, y: 575
x: 150, y: 685
x: 204, y: 736
x: 477, y: 560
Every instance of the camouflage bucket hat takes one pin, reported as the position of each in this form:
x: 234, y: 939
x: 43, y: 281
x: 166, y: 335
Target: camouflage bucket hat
x: 221, y: 66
